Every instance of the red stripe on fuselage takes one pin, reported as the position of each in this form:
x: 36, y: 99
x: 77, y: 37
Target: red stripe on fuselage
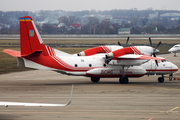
x: 52, y: 61
x: 154, y: 70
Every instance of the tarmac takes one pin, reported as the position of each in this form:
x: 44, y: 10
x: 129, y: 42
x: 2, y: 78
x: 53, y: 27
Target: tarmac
x: 141, y: 99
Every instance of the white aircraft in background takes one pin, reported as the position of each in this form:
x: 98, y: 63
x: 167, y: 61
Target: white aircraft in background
x: 6, y: 104
x: 103, y: 61
x: 175, y: 49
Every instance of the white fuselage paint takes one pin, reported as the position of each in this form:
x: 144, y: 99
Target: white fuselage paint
x: 95, y: 65
x: 175, y: 49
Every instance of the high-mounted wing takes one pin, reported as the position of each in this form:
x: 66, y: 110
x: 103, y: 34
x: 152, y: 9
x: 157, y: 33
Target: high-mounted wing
x: 6, y: 104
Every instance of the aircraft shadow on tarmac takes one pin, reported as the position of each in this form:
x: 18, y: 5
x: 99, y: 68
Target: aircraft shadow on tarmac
x: 8, y: 117
x: 150, y: 84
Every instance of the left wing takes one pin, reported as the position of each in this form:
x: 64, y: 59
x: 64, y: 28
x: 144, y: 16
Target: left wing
x: 6, y: 104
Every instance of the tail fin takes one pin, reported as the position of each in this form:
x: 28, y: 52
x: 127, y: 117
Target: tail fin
x: 30, y: 38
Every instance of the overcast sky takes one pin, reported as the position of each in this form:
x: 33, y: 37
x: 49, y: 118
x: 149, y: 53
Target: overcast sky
x: 79, y: 5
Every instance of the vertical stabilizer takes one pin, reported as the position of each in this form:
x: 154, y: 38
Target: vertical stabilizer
x: 30, y: 38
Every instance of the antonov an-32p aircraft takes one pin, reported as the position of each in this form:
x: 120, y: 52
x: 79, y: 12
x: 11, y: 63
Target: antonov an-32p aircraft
x: 103, y: 61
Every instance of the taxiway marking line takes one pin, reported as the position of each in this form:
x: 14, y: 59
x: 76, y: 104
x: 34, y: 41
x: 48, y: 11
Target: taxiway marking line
x: 174, y: 108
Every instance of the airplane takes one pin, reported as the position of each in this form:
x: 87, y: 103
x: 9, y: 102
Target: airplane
x: 96, y: 63
x: 175, y: 49
x: 6, y: 104
x: 152, y: 67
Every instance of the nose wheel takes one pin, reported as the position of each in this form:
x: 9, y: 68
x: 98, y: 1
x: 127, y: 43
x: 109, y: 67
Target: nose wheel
x: 161, y: 79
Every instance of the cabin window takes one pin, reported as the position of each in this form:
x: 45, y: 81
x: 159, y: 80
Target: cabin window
x: 75, y: 65
x: 90, y: 65
x: 104, y: 65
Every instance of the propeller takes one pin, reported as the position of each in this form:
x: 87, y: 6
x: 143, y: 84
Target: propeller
x: 107, y: 59
x: 150, y: 41
x: 126, y: 42
x: 119, y: 43
x: 155, y: 51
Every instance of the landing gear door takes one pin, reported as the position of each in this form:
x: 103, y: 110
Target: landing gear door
x: 153, y: 65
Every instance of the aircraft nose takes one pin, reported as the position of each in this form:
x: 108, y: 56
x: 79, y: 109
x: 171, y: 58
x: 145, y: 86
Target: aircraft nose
x: 174, y: 67
x: 169, y: 50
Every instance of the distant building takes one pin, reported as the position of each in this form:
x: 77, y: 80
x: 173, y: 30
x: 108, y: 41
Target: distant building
x: 124, y: 31
x: 170, y: 15
x: 118, y: 21
x: 76, y: 25
x: 153, y: 15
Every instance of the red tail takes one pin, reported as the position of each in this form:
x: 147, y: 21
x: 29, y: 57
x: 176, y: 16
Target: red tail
x: 30, y: 39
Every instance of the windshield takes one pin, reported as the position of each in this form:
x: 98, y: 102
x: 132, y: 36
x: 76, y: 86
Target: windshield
x: 163, y: 60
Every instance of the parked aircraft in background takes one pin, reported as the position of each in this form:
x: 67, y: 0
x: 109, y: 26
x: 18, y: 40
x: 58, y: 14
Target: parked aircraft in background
x: 175, y: 49
x: 6, y: 104
x: 98, y: 62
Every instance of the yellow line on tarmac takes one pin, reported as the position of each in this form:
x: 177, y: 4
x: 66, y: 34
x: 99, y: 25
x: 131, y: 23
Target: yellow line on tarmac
x: 174, y: 108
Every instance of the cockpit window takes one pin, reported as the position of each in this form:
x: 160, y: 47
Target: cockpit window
x: 176, y: 46
x: 163, y: 61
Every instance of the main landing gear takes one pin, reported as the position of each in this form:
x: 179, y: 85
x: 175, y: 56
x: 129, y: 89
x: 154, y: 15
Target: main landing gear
x: 123, y: 80
x: 161, y: 79
x: 95, y: 79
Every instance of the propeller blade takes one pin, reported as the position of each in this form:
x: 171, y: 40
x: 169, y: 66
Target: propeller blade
x: 156, y: 62
x: 157, y: 45
x: 154, y: 54
x: 127, y: 40
x: 119, y: 43
x: 150, y: 41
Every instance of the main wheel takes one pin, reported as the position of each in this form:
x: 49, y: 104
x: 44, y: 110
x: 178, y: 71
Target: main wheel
x: 161, y: 79
x: 123, y: 80
x: 95, y: 79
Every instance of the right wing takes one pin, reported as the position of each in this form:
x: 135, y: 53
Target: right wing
x: 6, y: 104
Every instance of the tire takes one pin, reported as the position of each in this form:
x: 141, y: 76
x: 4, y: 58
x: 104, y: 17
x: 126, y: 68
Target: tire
x: 123, y: 80
x: 161, y: 79
x: 95, y: 79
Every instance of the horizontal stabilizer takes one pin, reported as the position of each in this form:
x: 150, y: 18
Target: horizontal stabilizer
x: 13, y: 53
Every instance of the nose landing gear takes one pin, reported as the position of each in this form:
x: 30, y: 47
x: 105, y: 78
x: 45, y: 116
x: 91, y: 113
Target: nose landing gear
x: 161, y: 79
